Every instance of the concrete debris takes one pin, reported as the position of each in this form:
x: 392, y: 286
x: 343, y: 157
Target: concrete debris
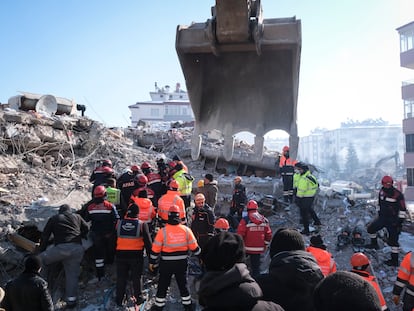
x: 46, y: 161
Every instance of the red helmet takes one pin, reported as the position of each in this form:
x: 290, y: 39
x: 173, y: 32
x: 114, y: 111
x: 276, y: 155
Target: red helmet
x: 99, y: 192
x: 174, y: 209
x: 173, y: 184
x: 172, y: 164
x: 135, y: 168
x: 252, y: 205
x: 222, y: 224
x: 285, y: 148
x: 387, y: 181
x: 145, y: 165
x: 107, y: 163
x: 359, y: 260
x: 141, y: 179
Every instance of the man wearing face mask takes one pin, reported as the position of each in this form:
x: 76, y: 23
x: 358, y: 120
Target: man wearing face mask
x: 391, y: 215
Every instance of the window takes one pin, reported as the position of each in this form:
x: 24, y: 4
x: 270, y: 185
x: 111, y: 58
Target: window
x: 406, y: 40
x: 409, y: 143
x: 171, y: 110
x: 410, y: 177
x: 408, y: 109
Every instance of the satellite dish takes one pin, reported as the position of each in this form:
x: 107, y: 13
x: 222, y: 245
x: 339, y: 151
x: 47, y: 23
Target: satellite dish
x: 46, y: 104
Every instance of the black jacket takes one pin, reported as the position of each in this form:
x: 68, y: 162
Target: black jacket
x: 66, y: 227
x: 232, y: 290
x: 291, y: 280
x: 27, y: 292
x: 202, y: 224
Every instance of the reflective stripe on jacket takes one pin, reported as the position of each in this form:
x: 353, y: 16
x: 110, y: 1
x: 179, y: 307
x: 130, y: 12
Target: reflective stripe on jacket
x: 306, y: 185
x: 405, y: 276
x: 371, y: 279
x: 166, y: 201
x: 146, y: 210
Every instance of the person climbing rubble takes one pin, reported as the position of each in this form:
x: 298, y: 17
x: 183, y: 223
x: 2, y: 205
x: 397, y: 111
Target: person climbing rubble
x: 101, y: 174
x: 391, y: 215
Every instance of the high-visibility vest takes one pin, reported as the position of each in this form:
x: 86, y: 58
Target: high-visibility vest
x: 166, y: 201
x: 405, y: 276
x: 129, y: 235
x: 371, y: 279
x: 146, y: 209
x: 306, y: 185
x: 324, y: 259
x: 113, y: 195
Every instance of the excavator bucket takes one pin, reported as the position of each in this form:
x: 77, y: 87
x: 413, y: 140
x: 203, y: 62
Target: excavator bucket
x: 242, y: 74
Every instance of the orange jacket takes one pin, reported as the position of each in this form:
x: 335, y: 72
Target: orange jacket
x: 371, y: 279
x: 405, y: 277
x: 324, y: 259
x: 146, y: 210
x: 166, y: 201
x: 286, y: 165
x: 173, y: 243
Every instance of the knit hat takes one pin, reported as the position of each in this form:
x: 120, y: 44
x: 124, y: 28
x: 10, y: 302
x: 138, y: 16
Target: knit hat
x: 286, y: 239
x: 223, y: 251
x: 64, y: 208
x: 209, y: 177
x: 32, y: 263
x: 316, y: 241
x: 344, y: 291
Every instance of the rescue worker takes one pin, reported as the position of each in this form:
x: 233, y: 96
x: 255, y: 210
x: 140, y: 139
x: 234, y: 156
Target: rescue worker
x: 115, y: 197
x: 177, y: 160
x: 306, y: 188
x: 170, y: 250
x: 172, y: 197
x: 132, y: 236
x: 103, y: 217
x: 210, y: 191
x: 256, y: 233
x: 324, y: 258
x: 239, y: 198
x: 101, y: 174
x: 185, y: 182
x: 392, y: 213
x: 126, y: 182
x: 67, y: 229
x: 221, y: 224
x: 405, y: 282
x: 29, y: 290
x: 286, y: 169
x: 360, y: 264
x: 141, y: 183
x: 154, y: 182
x: 202, y: 223
x: 147, y: 211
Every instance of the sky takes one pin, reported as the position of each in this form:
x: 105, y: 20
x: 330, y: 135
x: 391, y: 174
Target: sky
x: 108, y: 54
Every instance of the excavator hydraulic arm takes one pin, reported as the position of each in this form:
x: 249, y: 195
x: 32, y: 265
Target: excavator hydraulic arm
x: 242, y: 74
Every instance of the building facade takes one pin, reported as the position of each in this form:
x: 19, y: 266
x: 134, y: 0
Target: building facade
x: 406, y: 33
x: 165, y: 105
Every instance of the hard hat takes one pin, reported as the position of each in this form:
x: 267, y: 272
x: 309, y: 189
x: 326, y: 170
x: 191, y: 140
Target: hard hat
x: 200, y: 183
x: 135, y: 168
x: 174, y: 209
x: 387, y: 181
x: 107, y: 163
x: 172, y: 164
x: 238, y: 178
x: 222, y: 224
x: 145, y: 165
x: 199, y: 196
x: 99, y: 192
x: 359, y: 260
x: 252, y: 205
x: 285, y: 148
x: 173, y: 184
x: 160, y: 158
x: 141, y: 179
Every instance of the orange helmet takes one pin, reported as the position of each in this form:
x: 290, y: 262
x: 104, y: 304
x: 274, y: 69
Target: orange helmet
x: 145, y: 165
x: 200, y: 183
x: 387, y: 181
x: 222, y: 224
x: 285, y: 148
x: 99, y: 192
x: 173, y: 184
x: 359, y: 260
x: 252, y: 205
x: 174, y: 209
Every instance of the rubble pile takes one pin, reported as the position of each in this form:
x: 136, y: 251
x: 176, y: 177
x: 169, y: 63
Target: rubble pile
x: 46, y: 161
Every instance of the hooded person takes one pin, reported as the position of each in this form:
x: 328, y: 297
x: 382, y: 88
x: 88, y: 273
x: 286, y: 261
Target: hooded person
x: 227, y: 277
x: 293, y: 272
x: 344, y: 291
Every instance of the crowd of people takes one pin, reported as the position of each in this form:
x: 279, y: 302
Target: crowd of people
x: 153, y: 219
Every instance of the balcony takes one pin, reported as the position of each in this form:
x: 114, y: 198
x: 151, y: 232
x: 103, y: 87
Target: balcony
x: 407, y: 59
x: 407, y: 90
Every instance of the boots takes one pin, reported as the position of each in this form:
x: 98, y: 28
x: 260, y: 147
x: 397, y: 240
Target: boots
x: 393, y: 261
x: 373, y: 245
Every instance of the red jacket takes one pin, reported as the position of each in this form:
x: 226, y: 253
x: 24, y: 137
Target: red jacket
x: 256, y: 232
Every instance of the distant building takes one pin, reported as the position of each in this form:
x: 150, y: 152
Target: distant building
x: 165, y: 105
x: 406, y: 33
x: 321, y: 146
